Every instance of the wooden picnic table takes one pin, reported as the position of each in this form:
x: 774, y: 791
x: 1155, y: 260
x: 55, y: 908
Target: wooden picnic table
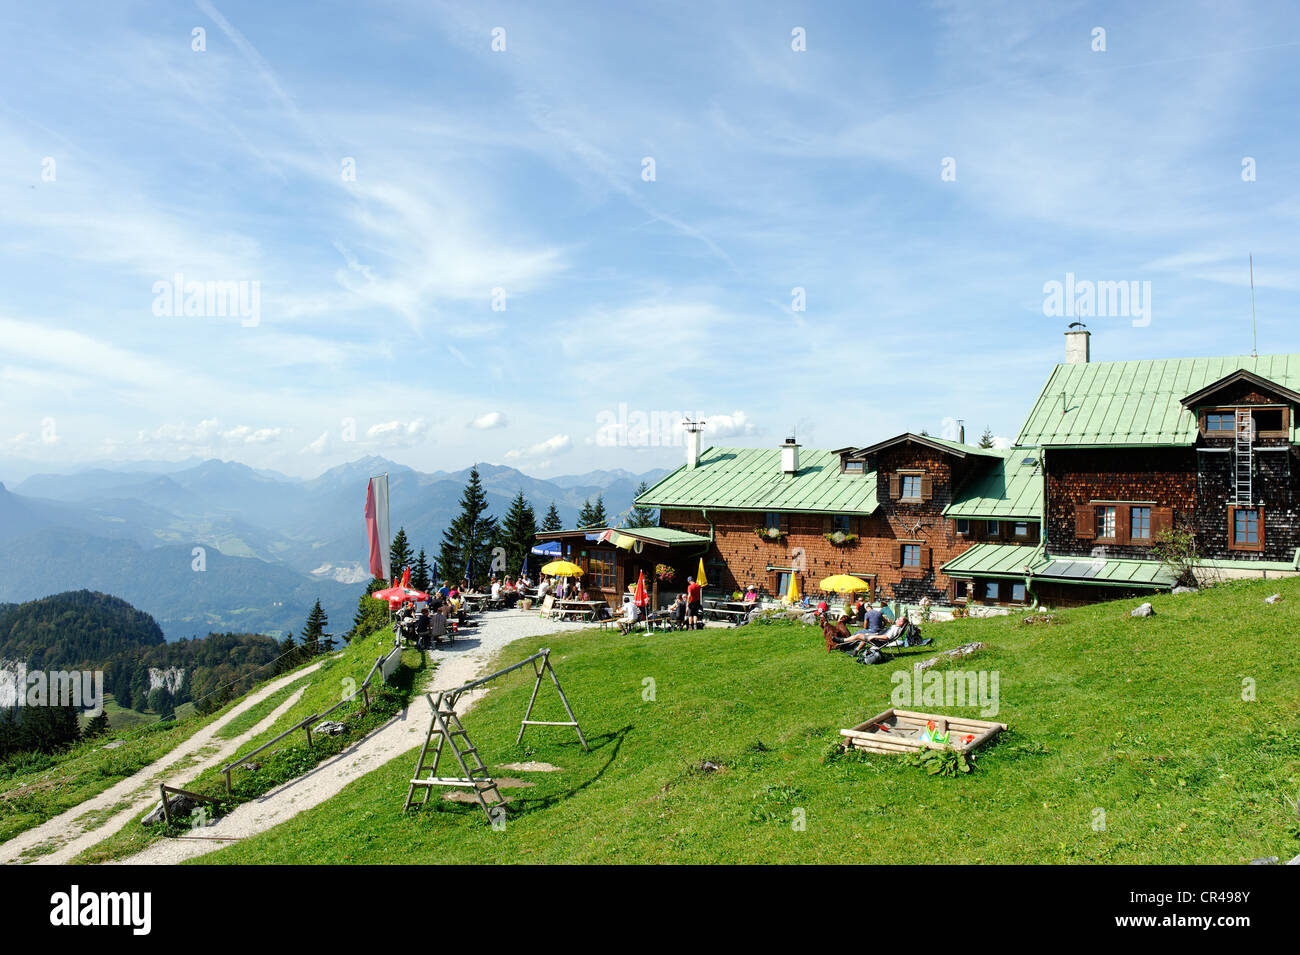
x: 584, y: 609
x: 725, y: 609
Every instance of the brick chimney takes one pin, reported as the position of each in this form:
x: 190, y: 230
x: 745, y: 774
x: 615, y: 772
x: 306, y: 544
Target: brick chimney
x: 790, y: 457
x: 1078, y: 349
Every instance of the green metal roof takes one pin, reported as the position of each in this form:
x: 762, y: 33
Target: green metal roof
x: 1012, y: 488
x: 1010, y: 561
x: 993, y: 560
x: 665, y: 536
x: 1254, y: 565
x: 957, y: 447
x: 1105, y: 572
x: 750, y: 479
x: 1116, y: 403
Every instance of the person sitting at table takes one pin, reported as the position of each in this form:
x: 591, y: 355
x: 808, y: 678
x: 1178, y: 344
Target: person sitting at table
x: 496, y: 589
x: 437, y: 624
x: 873, y: 619
x: 751, y: 594
x: 631, y: 616
x: 860, y: 611
x: 422, y: 629
x: 543, y: 589
x: 444, y: 590
x: 678, y: 609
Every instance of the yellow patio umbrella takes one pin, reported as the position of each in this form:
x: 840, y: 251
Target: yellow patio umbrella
x: 844, y: 584
x: 699, y: 576
x: 562, y: 568
x: 792, y: 595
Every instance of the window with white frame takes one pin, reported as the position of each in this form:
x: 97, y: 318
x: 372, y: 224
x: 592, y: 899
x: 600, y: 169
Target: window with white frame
x: 1106, y: 523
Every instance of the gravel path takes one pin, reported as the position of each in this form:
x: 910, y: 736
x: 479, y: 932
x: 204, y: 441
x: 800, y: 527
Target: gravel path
x: 457, y: 664
x: 60, y: 839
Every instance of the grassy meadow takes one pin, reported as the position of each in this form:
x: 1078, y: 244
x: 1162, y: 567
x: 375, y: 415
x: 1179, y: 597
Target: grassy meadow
x: 1171, y: 739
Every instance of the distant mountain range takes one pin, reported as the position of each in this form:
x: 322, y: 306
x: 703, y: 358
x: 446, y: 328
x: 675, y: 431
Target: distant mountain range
x: 272, y: 544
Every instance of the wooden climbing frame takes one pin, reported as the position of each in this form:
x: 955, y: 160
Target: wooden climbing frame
x: 445, y: 726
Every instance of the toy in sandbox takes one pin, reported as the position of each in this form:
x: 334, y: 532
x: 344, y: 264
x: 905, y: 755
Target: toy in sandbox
x: 904, y: 731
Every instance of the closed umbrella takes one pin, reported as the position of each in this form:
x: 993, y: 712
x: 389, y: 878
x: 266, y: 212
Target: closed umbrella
x: 699, y: 576
x: 792, y: 595
x: 641, y: 598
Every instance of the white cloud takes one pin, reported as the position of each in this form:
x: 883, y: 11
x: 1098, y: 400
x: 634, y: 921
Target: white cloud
x: 398, y: 433
x: 246, y: 435
x: 492, y: 419
x: 552, y: 445
x: 728, y: 425
x: 206, y: 435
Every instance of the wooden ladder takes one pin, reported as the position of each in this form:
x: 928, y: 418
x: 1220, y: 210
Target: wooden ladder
x: 447, y: 728
x: 1243, y: 457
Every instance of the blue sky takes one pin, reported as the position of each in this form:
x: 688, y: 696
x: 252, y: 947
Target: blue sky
x: 127, y: 157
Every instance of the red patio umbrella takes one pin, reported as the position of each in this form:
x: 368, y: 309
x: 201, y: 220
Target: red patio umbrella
x: 401, y: 592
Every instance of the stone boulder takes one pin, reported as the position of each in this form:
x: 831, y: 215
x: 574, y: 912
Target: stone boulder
x: 964, y: 650
x: 177, y: 804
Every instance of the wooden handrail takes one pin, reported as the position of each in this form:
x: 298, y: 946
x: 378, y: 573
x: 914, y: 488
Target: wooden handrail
x: 307, y: 724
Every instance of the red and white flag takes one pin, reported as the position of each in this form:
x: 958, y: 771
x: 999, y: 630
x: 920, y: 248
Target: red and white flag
x: 377, y: 526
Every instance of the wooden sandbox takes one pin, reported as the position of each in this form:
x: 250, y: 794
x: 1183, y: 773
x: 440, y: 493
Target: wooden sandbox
x: 904, y: 731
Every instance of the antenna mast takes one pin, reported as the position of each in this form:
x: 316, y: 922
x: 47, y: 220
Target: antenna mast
x: 1254, y: 338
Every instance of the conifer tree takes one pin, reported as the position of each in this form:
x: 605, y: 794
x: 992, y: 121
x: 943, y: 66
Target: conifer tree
x: 467, y: 541
x: 517, y: 533
x: 552, y: 522
x: 399, y: 553
x: 421, y: 577
x: 641, y: 516
x: 314, y: 631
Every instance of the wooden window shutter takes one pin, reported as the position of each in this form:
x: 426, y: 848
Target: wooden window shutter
x: 1085, y: 521
x: 893, y: 487
x: 1162, y: 520
x: 927, y: 557
x: 927, y: 487
x: 1123, y: 520
x: 897, y: 556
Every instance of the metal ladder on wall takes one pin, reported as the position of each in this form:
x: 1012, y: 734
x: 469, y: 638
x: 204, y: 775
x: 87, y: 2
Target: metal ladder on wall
x: 446, y: 725
x: 1243, y: 457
